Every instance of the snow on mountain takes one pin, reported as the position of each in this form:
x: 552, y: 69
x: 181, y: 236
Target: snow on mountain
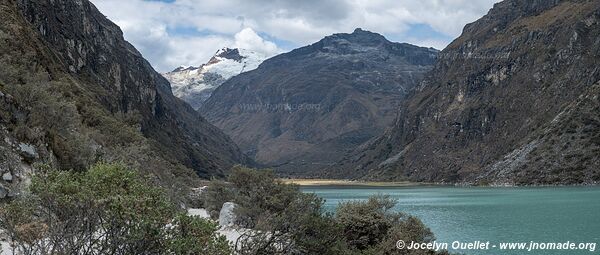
x: 195, y: 84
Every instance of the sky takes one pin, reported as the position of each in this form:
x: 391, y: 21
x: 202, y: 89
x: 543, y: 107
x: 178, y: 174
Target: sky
x: 172, y: 33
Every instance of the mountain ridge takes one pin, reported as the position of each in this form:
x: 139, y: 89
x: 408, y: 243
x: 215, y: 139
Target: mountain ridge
x: 314, y: 102
x: 493, y: 90
x: 77, y: 93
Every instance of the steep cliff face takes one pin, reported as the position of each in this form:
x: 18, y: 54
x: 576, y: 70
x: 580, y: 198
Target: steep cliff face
x: 83, y: 94
x: 302, y: 110
x: 510, y: 101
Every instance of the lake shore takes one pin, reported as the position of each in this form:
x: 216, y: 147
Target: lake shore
x: 342, y: 182
x: 335, y: 182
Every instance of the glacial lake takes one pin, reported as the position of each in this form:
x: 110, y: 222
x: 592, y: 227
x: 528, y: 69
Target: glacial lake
x: 540, y: 214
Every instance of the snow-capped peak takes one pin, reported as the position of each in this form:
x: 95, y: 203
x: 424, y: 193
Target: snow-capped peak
x: 195, y: 84
x: 230, y: 62
x: 183, y: 68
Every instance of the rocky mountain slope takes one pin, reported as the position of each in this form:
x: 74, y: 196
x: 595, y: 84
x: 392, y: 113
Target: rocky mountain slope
x: 513, y: 100
x: 304, y: 109
x: 74, y: 92
x: 195, y: 84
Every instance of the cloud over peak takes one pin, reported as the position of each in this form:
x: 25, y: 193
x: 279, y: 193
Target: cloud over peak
x: 187, y: 32
x: 250, y: 40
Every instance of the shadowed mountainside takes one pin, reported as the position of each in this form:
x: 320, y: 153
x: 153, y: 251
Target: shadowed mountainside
x: 75, y: 92
x: 302, y: 110
x: 513, y: 100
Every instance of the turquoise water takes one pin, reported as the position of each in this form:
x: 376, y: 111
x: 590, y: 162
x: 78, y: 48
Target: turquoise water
x: 544, y: 214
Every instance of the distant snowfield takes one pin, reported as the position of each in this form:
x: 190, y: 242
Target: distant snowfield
x: 195, y: 84
x: 230, y: 67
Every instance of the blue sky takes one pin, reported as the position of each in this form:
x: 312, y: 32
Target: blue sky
x: 170, y: 33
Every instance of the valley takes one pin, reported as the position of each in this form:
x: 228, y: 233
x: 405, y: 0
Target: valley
x: 486, y: 110
x: 297, y: 127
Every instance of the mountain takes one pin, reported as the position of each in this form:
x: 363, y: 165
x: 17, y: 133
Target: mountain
x: 195, y: 84
x: 513, y: 100
x: 303, y: 109
x: 74, y: 92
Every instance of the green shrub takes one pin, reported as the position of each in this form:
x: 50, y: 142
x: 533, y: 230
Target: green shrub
x: 194, y: 235
x: 261, y: 197
x: 372, y: 227
x: 216, y: 194
x: 284, y: 220
x: 366, y: 223
x: 107, y: 209
x: 287, y: 221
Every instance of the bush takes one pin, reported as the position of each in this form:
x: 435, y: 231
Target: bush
x: 216, y: 194
x: 262, y: 198
x: 194, y: 235
x: 284, y: 220
x: 108, y: 209
x: 372, y: 227
x: 366, y: 223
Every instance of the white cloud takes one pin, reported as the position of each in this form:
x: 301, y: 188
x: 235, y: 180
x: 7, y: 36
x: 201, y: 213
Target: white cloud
x: 191, y: 51
x: 152, y: 26
x: 248, y: 39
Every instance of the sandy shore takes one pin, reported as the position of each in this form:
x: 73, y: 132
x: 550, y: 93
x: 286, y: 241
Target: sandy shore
x: 323, y: 182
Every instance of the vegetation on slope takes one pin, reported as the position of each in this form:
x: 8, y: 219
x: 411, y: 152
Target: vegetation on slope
x: 74, y: 101
x: 108, y: 209
x: 111, y: 209
x: 287, y: 221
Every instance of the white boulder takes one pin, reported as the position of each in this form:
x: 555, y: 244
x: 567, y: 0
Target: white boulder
x: 7, y: 177
x: 202, y: 213
x: 28, y: 151
x: 227, y: 216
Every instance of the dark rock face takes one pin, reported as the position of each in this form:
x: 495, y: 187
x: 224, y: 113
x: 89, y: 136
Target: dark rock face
x: 77, y: 44
x: 233, y: 54
x: 512, y: 100
x: 302, y: 110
